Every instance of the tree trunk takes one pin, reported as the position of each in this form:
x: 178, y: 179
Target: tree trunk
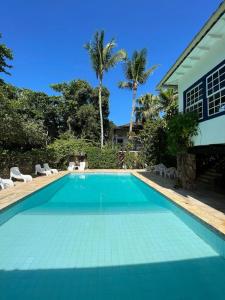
x: 186, y: 168
x: 132, y: 112
x: 100, y: 112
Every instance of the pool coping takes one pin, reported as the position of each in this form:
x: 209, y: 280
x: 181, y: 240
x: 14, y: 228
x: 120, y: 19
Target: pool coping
x: 209, y: 216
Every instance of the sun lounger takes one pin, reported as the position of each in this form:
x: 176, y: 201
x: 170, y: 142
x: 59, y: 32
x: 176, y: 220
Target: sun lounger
x: 5, y: 183
x: 16, y: 174
x: 47, y: 168
x: 42, y: 171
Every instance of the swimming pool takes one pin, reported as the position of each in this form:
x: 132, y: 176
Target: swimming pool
x: 106, y: 236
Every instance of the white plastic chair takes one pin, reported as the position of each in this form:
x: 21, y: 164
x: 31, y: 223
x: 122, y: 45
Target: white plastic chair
x: 5, y: 183
x: 159, y: 169
x: 15, y: 173
x: 47, y: 168
x: 82, y: 166
x: 40, y: 170
x: 71, y: 166
x: 171, y: 173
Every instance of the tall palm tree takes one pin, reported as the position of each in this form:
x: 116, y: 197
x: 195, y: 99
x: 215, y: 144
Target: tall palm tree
x: 148, y: 107
x: 136, y: 74
x: 103, y: 59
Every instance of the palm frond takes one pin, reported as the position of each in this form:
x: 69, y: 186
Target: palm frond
x: 116, y: 58
x: 125, y: 85
x: 135, y: 68
x: 102, y: 57
x: 145, y: 75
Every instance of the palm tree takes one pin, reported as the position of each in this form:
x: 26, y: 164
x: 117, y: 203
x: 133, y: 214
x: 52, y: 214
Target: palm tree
x: 169, y: 102
x: 136, y: 74
x: 102, y: 59
x: 148, y: 107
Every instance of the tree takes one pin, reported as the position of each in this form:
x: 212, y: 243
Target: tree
x: 136, y: 74
x: 153, y: 140
x: 103, y: 59
x: 5, y: 53
x: 148, y: 108
x: 180, y: 130
x: 169, y: 102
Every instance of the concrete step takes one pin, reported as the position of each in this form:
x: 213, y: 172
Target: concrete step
x: 206, y: 181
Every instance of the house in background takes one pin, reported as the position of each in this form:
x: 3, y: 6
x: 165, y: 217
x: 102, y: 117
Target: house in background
x: 121, y: 133
x: 199, y: 75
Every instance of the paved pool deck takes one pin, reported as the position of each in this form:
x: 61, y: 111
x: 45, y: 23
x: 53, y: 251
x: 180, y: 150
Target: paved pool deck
x: 207, y: 206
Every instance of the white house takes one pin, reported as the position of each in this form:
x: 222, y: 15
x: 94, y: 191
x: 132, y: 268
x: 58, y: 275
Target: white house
x: 199, y: 74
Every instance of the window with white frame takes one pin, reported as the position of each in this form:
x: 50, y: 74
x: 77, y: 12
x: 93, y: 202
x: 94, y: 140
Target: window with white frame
x: 194, y: 100
x: 215, y: 85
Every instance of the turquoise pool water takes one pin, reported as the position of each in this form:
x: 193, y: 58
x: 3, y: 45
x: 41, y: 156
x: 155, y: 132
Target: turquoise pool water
x: 106, y: 236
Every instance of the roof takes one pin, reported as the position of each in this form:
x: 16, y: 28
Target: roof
x: 196, y: 43
x: 135, y: 125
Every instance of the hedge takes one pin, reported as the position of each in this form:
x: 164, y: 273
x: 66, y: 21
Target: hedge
x: 58, y: 155
x: 61, y: 151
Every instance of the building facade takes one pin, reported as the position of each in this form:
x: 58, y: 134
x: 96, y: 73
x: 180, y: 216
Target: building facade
x: 121, y: 134
x: 199, y: 76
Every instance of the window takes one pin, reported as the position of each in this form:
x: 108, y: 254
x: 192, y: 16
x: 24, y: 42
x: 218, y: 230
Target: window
x: 120, y: 141
x: 215, y: 84
x: 194, y: 100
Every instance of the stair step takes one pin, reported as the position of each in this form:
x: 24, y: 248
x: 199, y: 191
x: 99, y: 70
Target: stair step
x: 213, y: 172
x: 207, y: 176
x: 206, y: 180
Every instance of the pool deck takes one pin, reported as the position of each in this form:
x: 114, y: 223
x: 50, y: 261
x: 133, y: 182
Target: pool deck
x: 209, y: 207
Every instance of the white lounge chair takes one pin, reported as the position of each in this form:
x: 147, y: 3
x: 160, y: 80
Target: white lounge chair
x: 5, y: 183
x: 171, y: 173
x: 82, y: 165
x: 40, y: 170
x: 16, y: 174
x: 1, y: 184
x: 47, y: 168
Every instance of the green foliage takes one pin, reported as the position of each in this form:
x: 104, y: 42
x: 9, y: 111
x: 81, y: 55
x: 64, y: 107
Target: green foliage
x: 106, y: 158
x: 33, y: 119
x: 18, y: 130
x: 5, y: 54
x: 67, y: 148
x: 79, y: 109
x: 136, y: 74
x: 148, y: 108
x: 168, y: 100
x: 153, y: 138
x: 181, y: 128
x: 102, y: 56
x: 133, y: 160
x: 135, y: 70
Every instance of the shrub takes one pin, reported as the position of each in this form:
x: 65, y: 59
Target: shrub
x: 65, y: 150
x: 133, y: 160
x: 106, y: 158
x: 180, y: 131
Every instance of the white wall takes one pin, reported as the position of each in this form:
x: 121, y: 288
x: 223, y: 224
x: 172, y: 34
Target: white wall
x: 211, y: 131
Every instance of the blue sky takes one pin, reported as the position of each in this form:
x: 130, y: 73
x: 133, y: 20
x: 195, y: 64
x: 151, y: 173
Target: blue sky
x: 47, y: 38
